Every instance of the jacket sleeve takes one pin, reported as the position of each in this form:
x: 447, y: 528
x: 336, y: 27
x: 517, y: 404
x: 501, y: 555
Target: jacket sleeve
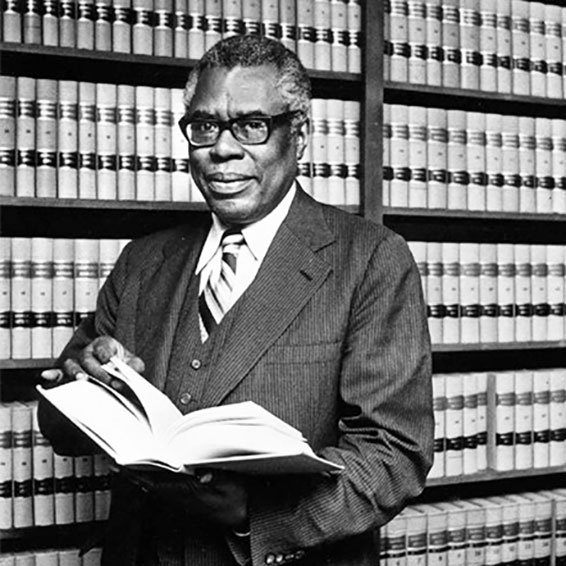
x: 385, y: 428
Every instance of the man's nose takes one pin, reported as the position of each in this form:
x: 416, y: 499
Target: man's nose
x: 227, y: 146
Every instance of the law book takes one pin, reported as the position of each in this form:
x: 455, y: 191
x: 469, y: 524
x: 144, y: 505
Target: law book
x: 455, y: 532
x: 103, y: 16
x: 197, y: 25
x: 339, y: 36
x: 436, y: 534
x: 436, y: 307
x: 481, y: 450
x: 457, y: 160
x: 142, y: 29
x: 87, y: 140
x: 435, y: 53
x: 22, y: 471
x: 251, y: 17
x: 526, y: 520
x: 336, y: 182
x: 556, y: 291
x: 12, y: 21
x: 537, y: 49
x: 543, y: 534
x: 322, y: 35
x: 126, y: 142
x: 68, y: 139
x: 64, y: 497
x: 48, y: 557
x: 31, y: 21
x: 67, y: 25
x: 520, y: 48
x: 451, y: 43
x: 527, y: 164
x: 493, y: 162
x: 21, y: 297
x: 476, y: 160
x: 63, y: 292
x: 86, y: 277
x: 470, y: 270
x: 84, y: 492
x: 319, y: 148
x: 398, y: 35
x: 544, y: 170
x: 46, y: 138
x: 501, y: 421
x: 510, y: 167
x: 145, y: 143
x: 85, y: 24
x: 475, y: 532
x: 451, y: 293
x: 5, y: 297
x: 393, y: 541
x: 352, y: 152
x: 163, y: 13
x: 101, y: 468
x: 416, y: 525
x: 558, y: 131
x: 354, y: 30
x: 8, y: 140
x: 179, y: 151
x: 106, y: 141
x: 231, y: 18
x: 306, y: 33
x: 438, y: 469
x: 437, y: 158
x: 416, y: 35
x: 417, y: 157
x: 557, y: 456
x: 470, y: 423
x: 523, y: 292
x: 399, y: 156
x: 488, y: 46
x: 541, y: 419
x: 504, y: 48
x: 162, y: 143
x: 454, y: 388
x: 122, y: 26
x: 69, y: 557
x: 539, y: 296
x: 213, y: 22
x: 142, y: 428
x: 509, y: 528
x: 108, y: 252
x: 553, y: 50
x: 493, y: 529
x: 559, y: 525
x: 524, y: 420
x: 6, y: 483
x: 470, y: 24
x: 387, y: 170
x: 25, y: 159
x: 43, y: 475
x: 181, y: 23
x: 41, y: 297
x: 506, y: 293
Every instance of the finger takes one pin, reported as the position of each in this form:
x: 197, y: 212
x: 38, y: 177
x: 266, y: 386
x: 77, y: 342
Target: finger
x: 134, y: 362
x: 53, y: 375
x: 91, y: 365
x: 104, y: 347
x: 73, y: 370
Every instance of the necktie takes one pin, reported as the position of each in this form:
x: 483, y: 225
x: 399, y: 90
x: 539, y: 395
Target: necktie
x: 215, y: 299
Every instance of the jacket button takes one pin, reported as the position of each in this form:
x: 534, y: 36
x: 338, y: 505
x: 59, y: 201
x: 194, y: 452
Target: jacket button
x: 185, y: 398
x: 270, y: 559
x: 196, y: 364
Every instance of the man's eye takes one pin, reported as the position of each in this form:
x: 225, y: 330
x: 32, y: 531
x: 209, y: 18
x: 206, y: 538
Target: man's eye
x: 252, y: 124
x: 204, y: 127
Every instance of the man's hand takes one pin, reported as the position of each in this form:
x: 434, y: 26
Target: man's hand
x: 89, y: 361
x: 214, y: 496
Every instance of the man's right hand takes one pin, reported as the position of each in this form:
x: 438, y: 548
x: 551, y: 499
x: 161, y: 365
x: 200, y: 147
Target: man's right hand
x: 89, y: 361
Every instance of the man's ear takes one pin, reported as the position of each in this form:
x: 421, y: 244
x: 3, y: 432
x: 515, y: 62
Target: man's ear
x: 302, y: 138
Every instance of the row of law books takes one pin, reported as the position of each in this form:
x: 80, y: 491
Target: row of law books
x: 47, y: 286
x: 493, y: 292
x: 326, y: 34
x: 52, y: 557
x: 40, y: 488
x: 519, y: 528
x: 502, y: 46
x: 67, y: 139
x: 461, y: 160
x: 506, y: 420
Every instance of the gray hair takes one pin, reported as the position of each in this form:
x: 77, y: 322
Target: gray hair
x: 252, y: 51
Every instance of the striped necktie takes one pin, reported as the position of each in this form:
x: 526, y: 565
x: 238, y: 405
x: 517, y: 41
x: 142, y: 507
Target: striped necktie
x: 215, y: 299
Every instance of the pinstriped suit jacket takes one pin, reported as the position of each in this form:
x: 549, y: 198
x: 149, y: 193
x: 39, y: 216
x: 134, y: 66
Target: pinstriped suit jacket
x: 332, y: 337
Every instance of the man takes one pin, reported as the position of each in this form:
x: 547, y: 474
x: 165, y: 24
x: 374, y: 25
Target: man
x: 325, y: 327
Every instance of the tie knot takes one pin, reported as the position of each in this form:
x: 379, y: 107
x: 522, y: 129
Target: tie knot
x: 232, y: 238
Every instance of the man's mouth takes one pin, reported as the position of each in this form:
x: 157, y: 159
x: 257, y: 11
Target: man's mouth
x: 228, y: 184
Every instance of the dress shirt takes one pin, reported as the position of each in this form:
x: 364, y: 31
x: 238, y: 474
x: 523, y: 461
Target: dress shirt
x: 258, y: 237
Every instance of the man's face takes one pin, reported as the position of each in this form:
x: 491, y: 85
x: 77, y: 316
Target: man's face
x: 242, y: 183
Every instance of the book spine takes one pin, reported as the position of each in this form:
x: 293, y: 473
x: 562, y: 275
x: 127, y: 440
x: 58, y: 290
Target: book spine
x: 84, y: 497
x: 64, y: 489
x: 339, y: 35
x: 21, y: 297
x: 504, y: 49
x: 417, y: 157
x: 31, y: 21
x: 142, y: 29
x: 336, y: 187
x: 437, y: 536
x: 436, y: 307
x: 451, y: 68
x: 43, y: 478
x: 396, y: 541
x: 454, y: 424
x: 399, y: 149
x: 475, y: 534
x: 86, y: 278
x: 476, y: 160
x: 352, y: 152
x: 557, y: 451
x: 181, y: 29
x: 416, y: 36
x: 85, y: 24
x: 510, y: 530
x: 470, y: 424
x: 8, y: 140
x: 122, y: 26
x: 25, y: 160
x: 12, y: 21
x: 523, y: 420
x: 387, y: 44
x: 559, y: 528
x: 481, y: 452
x: 541, y: 419
x: 197, y: 25
x: 399, y: 40
x: 5, y: 297
x: 106, y: 141
x: 322, y: 35
x: 6, y: 483
x: 457, y: 160
x: 63, y: 292
x: 179, y: 152
x: 437, y: 158
x: 488, y: 46
x: 46, y: 138
x: 556, y: 292
x: 68, y: 138
x: 553, y: 50
x: 319, y: 148
x: 523, y: 293
x: 22, y: 465
x: 470, y: 292
x: 510, y: 164
x: 544, y: 169
x: 451, y: 295
x: 103, y: 16
x: 163, y: 28
x: 87, y: 140
x: 435, y: 52
x: 251, y: 17
x: 494, y: 162
x: 145, y: 144
x: 493, y: 532
x: 354, y: 30
x: 470, y: 24
x: 108, y: 252
x: 520, y: 48
x: 67, y: 23
x: 537, y: 50
x: 558, y: 128
x: 41, y: 297
x: 213, y: 22
x: 439, y: 404
x: 306, y: 33
x: 539, y: 299
x: 162, y: 143
x: 501, y: 421
x: 527, y: 166
x: 506, y: 293
x: 416, y: 538
x: 231, y: 18
x: 126, y: 142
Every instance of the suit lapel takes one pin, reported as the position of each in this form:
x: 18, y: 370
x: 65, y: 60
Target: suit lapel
x: 290, y: 274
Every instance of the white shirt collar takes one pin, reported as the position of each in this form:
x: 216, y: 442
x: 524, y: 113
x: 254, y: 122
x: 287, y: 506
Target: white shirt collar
x: 258, y: 235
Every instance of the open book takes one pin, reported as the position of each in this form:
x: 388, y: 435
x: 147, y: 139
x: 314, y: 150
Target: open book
x: 140, y: 427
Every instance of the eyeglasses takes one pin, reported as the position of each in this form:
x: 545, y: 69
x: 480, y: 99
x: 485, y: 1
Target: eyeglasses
x: 249, y: 130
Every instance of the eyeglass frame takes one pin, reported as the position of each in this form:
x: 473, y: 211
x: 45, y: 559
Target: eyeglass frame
x: 270, y: 121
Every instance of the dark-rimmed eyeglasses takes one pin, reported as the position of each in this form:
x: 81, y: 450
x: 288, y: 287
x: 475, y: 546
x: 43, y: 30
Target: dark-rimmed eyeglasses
x: 248, y: 130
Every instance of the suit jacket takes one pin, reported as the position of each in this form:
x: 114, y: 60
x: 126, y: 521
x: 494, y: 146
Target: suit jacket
x: 331, y: 336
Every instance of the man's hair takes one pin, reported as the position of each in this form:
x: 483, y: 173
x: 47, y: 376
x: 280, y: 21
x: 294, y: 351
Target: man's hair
x: 251, y: 51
